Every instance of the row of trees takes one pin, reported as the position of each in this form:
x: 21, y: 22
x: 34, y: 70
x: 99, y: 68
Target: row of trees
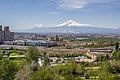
x: 100, y: 44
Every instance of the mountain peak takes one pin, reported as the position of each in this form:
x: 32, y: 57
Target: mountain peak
x: 71, y: 23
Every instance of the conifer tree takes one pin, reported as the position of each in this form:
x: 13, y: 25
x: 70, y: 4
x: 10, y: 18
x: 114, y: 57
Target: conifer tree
x: 117, y: 46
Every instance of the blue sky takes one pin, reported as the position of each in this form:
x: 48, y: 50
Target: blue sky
x: 25, y: 14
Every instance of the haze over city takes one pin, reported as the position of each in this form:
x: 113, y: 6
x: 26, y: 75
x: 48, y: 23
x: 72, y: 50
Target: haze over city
x: 26, y: 14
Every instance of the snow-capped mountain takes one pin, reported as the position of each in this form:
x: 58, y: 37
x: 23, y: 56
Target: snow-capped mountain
x: 71, y: 23
x: 72, y: 27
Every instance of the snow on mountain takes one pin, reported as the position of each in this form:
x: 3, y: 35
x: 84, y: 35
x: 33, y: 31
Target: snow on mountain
x: 71, y: 23
x: 72, y: 27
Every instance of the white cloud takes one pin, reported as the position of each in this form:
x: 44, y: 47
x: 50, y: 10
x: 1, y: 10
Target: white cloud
x: 71, y: 4
x: 39, y: 25
x: 79, y: 4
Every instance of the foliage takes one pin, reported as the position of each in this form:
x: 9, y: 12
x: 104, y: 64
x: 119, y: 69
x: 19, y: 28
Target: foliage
x: 8, y: 70
x: 116, y: 55
x: 102, y: 58
x: 101, y: 39
x: 32, y: 58
x: 117, y: 46
x: 42, y: 75
x: 99, y: 42
x: 46, y: 60
x: 68, y: 70
x: 14, y: 51
x: 84, y: 64
x: 32, y: 54
x: 1, y: 56
x: 106, y: 66
x: 24, y: 73
x: 115, y: 67
x: 116, y: 78
x: 105, y: 71
x: 86, y: 76
x: 60, y: 72
x: 13, y: 54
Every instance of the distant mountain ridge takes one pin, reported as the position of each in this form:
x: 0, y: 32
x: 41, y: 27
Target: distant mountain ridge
x: 72, y: 27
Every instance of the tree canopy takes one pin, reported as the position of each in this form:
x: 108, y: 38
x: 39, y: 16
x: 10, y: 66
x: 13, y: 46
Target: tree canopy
x: 32, y: 54
x: 116, y: 55
x: 8, y: 70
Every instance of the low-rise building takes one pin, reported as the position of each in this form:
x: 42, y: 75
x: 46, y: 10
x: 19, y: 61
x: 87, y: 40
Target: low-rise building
x: 31, y: 43
x: 94, y: 53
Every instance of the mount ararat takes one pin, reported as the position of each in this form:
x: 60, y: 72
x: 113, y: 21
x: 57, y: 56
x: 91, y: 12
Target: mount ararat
x: 72, y: 27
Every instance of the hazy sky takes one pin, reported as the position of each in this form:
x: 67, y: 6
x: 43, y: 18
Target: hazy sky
x: 24, y: 14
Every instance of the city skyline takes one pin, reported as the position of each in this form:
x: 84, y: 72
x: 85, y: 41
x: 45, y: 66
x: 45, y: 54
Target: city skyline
x: 6, y: 34
x: 25, y: 14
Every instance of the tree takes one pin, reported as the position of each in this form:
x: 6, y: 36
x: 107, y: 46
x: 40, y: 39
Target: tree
x: 102, y: 58
x: 67, y: 71
x: 111, y: 43
x: 24, y: 73
x: 1, y: 56
x: 32, y: 54
x: 46, y: 60
x: 117, y: 46
x: 42, y: 75
x: 116, y: 55
x: 32, y: 57
x: 8, y: 70
x: 86, y: 75
x: 105, y: 72
x: 106, y: 66
x: 115, y: 66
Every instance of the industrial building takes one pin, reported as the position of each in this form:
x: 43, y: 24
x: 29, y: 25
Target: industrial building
x: 31, y: 43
